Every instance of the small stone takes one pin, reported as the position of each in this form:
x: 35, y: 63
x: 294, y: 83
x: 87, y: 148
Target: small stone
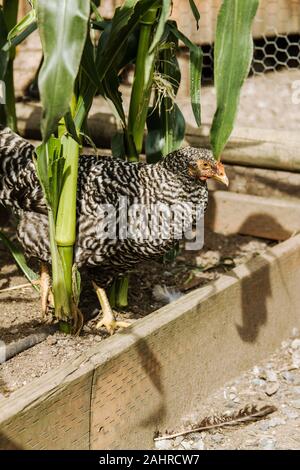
x: 267, y: 443
x: 217, y: 438
x: 291, y: 414
x: 258, y: 382
x: 263, y: 375
x: 232, y: 396
x: 271, y: 376
x: 186, y: 445
x: 296, y: 359
x: 256, y: 371
x: 14, y: 331
x: 51, y: 340
x: 296, y: 343
x: 251, y: 443
x: 272, y: 423
x: 272, y: 388
x: 230, y: 404
x: 178, y: 440
x: 194, y: 436
x: 286, y: 375
x: 264, y: 426
x: 198, y: 445
x: 295, y: 404
x: 164, y: 444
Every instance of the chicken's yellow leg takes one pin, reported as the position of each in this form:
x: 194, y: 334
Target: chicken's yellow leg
x: 45, y: 286
x: 108, y: 320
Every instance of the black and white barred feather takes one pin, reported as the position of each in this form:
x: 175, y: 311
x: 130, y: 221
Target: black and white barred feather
x: 103, y: 182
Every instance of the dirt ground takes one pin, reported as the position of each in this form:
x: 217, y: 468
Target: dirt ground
x: 275, y: 381
x: 150, y: 284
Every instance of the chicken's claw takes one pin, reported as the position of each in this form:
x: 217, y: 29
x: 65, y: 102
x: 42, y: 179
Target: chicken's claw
x: 111, y: 325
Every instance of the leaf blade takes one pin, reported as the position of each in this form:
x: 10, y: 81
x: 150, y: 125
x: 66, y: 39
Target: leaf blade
x: 19, y: 259
x: 63, y: 28
x: 195, y: 12
x: 232, y: 55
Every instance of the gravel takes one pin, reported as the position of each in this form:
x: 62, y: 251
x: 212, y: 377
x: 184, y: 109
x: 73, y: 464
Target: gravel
x: 274, y: 382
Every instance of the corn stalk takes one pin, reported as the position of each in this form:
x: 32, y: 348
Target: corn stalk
x: 63, y: 29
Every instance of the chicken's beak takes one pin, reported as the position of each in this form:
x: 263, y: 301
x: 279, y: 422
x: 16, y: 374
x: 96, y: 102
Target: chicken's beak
x: 220, y: 174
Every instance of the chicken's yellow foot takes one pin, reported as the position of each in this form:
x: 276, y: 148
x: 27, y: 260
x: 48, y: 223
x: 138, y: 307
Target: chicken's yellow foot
x: 108, y: 320
x: 45, y: 287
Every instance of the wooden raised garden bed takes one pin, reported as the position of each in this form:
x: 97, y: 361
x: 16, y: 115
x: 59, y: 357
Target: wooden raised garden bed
x: 146, y: 378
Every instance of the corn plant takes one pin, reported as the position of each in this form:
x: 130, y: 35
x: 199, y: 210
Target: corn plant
x: 85, y: 55
x: 8, y: 20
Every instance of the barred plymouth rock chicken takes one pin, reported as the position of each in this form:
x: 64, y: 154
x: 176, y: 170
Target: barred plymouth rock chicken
x: 105, y: 187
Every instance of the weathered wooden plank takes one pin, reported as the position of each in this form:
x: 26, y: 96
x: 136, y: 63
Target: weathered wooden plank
x: 51, y: 413
x: 263, y: 148
x: 157, y: 371
x: 261, y: 182
x: 272, y: 218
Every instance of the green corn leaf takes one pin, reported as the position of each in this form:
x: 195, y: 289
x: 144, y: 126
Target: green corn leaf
x: 41, y: 165
x: 117, y: 145
x: 49, y: 165
x: 196, y: 61
x: 232, y: 58
x: 16, y: 40
x: 125, y: 21
x: 88, y: 62
x: 96, y: 12
x: 20, y: 259
x: 154, y: 145
x: 70, y: 126
x: 63, y: 29
x: 163, y: 17
x: 195, y: 12
x: 174, y: 126
x: 111, y: 90
x: 28, y: 21
x: 4, y: 56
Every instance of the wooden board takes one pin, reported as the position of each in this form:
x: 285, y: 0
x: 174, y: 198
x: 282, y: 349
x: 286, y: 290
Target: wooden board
x: 116, y: 395
x: 263, y: 148
x: 271, y: 218
x: 261, y: 182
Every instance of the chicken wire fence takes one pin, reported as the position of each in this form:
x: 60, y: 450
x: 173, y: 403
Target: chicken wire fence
x: 276, y: 33
x: 271, y: 96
